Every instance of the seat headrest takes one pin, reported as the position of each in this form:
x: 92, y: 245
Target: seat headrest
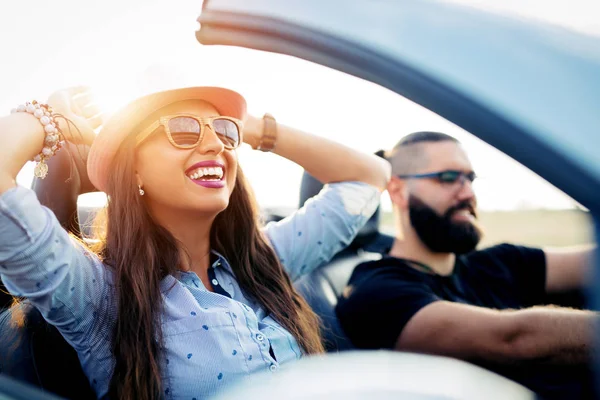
x: 310, y: 187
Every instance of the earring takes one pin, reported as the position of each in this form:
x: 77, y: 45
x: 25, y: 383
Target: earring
x: 141, y: 190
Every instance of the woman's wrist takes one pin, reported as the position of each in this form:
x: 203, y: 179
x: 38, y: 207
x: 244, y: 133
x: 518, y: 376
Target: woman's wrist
x: 268, y: 138
x: 53, y: 140
x: 252, y: 131
x: 6, y: 182
x: 22, y: 138
x: 261, y: 133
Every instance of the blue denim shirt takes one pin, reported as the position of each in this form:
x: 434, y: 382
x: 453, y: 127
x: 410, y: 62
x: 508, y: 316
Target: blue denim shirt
x: 210, y: 340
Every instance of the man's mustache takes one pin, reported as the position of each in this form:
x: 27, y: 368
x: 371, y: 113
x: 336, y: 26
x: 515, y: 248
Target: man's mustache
x: 463, y: 205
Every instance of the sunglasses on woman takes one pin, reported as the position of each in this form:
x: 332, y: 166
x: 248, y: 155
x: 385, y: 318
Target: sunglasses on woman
x: 186, y: 131
x: 447, y: 176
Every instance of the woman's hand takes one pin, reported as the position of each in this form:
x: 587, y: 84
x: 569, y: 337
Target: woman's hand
x: 253, y: 127
x: 22, y: 135
x: 76, y: 104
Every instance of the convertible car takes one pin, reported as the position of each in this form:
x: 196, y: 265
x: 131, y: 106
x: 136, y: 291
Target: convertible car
x: 529, y: 89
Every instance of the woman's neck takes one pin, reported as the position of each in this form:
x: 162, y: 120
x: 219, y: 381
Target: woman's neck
x: 192, y: 232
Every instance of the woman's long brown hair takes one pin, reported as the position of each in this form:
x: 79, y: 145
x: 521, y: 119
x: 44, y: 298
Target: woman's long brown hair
x: 142, y: 253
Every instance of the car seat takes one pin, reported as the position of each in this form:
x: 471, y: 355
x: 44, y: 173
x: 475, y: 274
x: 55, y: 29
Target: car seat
x: 322, y: 287
x: 36, y: 353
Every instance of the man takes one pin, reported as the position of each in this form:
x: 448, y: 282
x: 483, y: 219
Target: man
x: 434, y: 294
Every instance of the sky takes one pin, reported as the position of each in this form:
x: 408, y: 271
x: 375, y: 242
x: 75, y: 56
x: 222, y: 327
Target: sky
x: 124, y: 49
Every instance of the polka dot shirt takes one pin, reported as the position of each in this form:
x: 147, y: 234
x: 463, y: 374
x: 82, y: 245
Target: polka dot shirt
x: 211, y: 339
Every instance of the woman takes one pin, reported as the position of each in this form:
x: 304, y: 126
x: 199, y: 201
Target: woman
x: 185, y: 293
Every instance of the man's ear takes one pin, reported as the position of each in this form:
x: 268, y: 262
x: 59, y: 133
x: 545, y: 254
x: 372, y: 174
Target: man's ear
x: 398, y: 191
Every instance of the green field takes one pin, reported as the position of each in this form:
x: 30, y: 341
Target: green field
x: 529, y: 227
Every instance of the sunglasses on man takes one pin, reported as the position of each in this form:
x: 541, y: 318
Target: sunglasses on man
x: 447, y: 176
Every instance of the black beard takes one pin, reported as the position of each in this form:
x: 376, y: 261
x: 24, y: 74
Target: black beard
x: 439, y: 233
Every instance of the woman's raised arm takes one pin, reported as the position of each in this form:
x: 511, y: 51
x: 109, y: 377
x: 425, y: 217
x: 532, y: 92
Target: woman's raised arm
x: 326, y: 160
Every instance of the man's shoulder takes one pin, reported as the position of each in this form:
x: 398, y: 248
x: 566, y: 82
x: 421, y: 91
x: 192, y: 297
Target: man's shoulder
x: 502, y: 252
x: 384, y: 273
x: 503, y: 262
x: 386, y: 261
x: 492, y: 250
x: 380, y: 298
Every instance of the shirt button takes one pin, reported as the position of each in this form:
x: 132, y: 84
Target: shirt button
x: 215, y: 282
x: 273, y: 367
x: 260, y: 337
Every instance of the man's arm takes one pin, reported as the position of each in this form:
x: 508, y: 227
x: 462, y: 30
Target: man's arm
x: 569, y: 268
x: 539, y: 334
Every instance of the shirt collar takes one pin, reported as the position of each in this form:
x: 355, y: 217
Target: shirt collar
x: 218, y: 260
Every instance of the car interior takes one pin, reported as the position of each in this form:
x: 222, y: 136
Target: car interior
x: 34, y: 353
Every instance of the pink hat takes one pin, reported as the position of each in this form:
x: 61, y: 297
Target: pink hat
x: 120, y: 124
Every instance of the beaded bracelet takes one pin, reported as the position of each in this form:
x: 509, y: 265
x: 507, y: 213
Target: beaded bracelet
x: 54, y: 138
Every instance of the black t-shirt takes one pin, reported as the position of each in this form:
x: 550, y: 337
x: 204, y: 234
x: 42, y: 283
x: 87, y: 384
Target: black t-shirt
x: 383, y: 295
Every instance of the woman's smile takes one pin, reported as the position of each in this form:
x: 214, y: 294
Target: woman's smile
x: 210, y: 174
